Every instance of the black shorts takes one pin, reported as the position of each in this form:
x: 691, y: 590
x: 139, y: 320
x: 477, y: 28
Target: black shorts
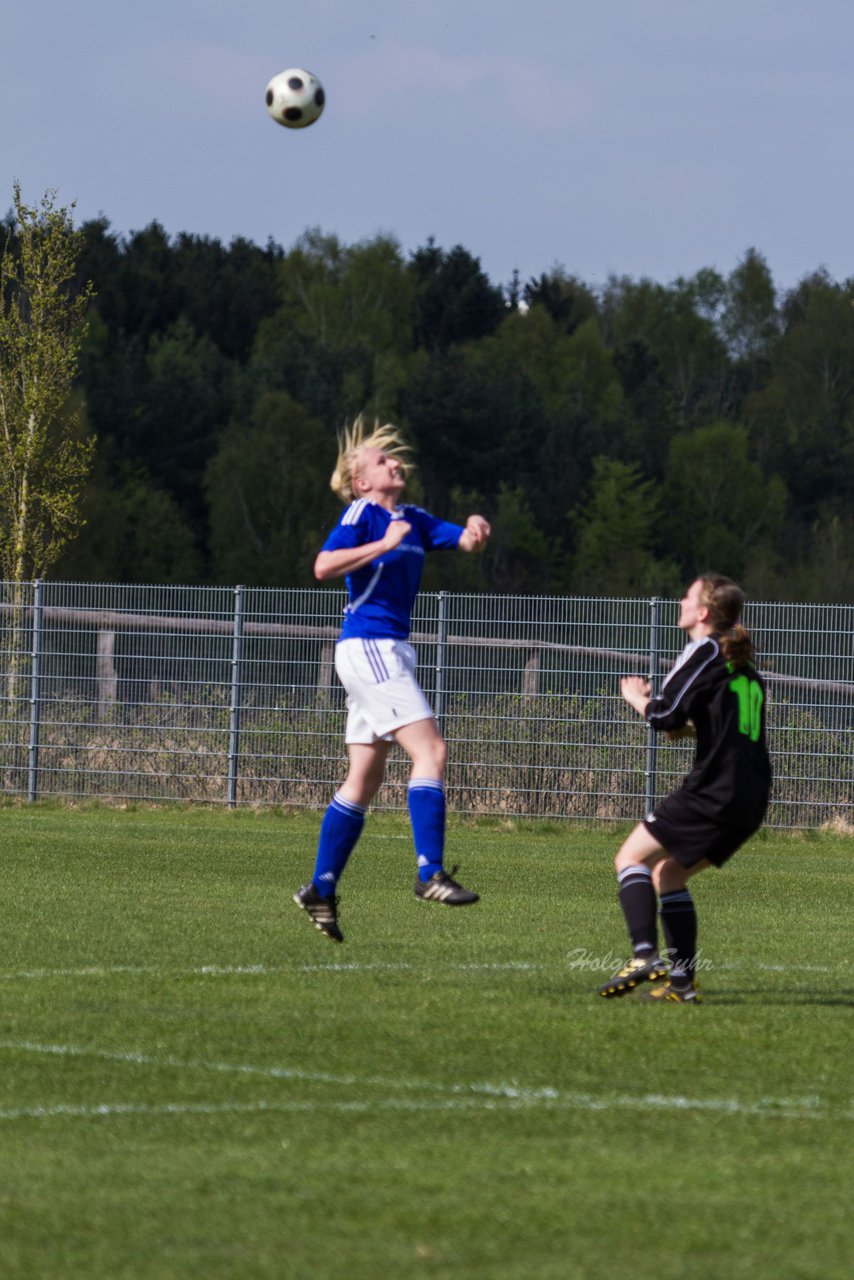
x: 689, y: 836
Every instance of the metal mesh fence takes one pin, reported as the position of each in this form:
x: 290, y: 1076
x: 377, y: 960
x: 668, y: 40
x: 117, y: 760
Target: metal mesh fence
x: 228, y: 696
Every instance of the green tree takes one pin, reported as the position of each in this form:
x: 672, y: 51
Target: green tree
x: 519, y: 556
x: 134, y: 531
x: 750, y: 321
x: 652, y: 417
x: 802, y: 421
x: 826, y: 572
x: 268, y: 494
x: 43, y: 463
x: 680, y: 325
x: 455, y: 301
x: 582, y: 409
x: 721, y: 512
x: 617, y: 532
x: 184, y: 404
x: 568, y: 301
x: 473, y: 418
x: 341, y: 336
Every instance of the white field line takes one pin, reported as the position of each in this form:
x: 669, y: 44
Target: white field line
x: 166, y: 1062
x: 254, y: 970
x: 240, y: 1108
x: 378, y: 966
x: 122, y: 1109
x: 478, y: 1095
x: 768, y: 1108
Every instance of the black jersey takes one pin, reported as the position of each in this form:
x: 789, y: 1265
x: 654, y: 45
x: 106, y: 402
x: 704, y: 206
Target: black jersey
x: 731, y: 775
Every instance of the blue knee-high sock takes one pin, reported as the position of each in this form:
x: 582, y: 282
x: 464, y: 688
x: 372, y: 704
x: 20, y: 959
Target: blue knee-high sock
x: 341, y: 827
x: 426, y: 798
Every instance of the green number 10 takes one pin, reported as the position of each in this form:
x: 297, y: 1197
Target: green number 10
x: 750, y: 699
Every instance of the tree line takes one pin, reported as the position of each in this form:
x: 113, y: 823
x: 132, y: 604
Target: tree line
x: 620, y: 438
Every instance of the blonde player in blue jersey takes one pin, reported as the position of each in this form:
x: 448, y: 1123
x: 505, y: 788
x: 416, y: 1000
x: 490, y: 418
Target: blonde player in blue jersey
x: 379, y: 545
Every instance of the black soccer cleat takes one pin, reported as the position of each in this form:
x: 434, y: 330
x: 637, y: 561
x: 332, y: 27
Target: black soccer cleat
x: 632, y: 973
x: 441, y: 887
x: 323, y: 911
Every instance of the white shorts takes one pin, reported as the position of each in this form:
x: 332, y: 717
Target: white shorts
x: 382, y: 692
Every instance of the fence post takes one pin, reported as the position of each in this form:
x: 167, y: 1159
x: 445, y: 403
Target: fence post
x: 325, y: 674
x: 105, y: 671
x: 35, y: 694
x: 234, y: 718
x: 531, y: 675
x: 651, y: 740
x: 441, y: 658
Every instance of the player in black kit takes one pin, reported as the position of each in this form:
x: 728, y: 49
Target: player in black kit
x: 714, y: 693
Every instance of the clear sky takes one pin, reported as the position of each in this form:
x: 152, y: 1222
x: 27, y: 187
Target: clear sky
x: 635, y: 137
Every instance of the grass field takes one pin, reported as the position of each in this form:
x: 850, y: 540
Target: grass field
x: 196, y: 1083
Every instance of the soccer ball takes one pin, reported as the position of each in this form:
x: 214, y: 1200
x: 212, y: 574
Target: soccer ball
x: 295, y: 98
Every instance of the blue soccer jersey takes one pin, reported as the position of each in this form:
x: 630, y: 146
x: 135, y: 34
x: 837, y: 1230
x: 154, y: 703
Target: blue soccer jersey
x: 383, y: 592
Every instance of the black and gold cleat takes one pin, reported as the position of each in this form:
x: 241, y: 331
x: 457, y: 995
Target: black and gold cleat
x: 632, y: 973
x: 667, y: 993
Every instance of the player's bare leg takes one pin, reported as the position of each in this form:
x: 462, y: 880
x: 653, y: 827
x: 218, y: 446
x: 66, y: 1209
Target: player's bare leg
x: 366, y: 772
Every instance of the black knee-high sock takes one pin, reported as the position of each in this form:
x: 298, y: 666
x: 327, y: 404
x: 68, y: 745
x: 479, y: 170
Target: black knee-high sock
x: 679, y: 922
x: 637, y: 898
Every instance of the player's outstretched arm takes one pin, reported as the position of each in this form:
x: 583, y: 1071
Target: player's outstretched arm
x: 475, y: 535
x: 335, y: 564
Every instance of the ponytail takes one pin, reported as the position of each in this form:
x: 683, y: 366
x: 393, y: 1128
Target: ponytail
x: 737, y: 646
x: 724, y: 601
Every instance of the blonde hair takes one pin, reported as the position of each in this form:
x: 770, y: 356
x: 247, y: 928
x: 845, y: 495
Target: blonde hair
x: 725, y: 601
x: 356, y: 437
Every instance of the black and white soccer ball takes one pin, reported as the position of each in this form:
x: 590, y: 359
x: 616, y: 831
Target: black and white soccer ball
x: 295, y: 98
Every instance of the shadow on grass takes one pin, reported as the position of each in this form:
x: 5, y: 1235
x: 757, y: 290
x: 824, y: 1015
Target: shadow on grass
x: 762, y: 995
x: 759, y: 995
